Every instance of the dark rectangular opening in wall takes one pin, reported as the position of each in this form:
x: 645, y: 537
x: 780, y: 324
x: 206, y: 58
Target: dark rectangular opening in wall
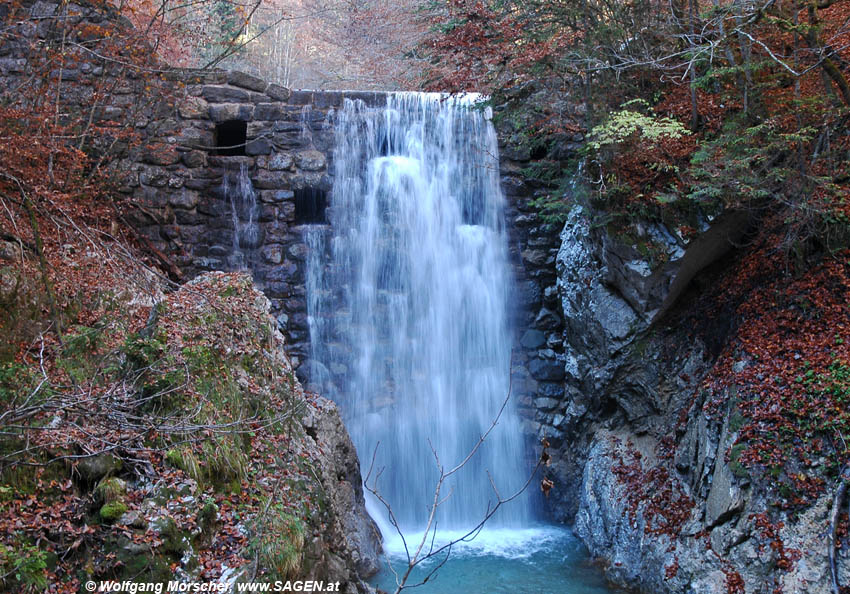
x: 230, y: 138
x: 310, y: 205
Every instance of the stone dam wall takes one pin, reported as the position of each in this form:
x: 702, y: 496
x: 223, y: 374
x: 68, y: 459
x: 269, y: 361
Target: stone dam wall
x: 229, y: 128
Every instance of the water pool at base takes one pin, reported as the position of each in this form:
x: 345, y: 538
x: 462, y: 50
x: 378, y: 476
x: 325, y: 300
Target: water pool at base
x: 539, y: 560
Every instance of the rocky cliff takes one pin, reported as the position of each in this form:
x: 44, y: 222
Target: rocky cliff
x: 658, y: 414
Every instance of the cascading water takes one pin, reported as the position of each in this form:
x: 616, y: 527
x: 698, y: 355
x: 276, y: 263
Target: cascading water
x: 244, y: 210
x: 306, y: 132
x: 408, y: 290
x: 419, y: 253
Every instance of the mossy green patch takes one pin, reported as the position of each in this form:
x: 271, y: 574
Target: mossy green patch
x: 25, y: 479
x: 736, y: 421
x: 78, y: 356
x: 174, y: 540
x: 185, y: 459
x: 219, y: 462
x: 138, y: 563
x: 22, y: 303
x: 110, y: 490
x: 19, y: 382
x: 207, y: 518
x: 112, y: 511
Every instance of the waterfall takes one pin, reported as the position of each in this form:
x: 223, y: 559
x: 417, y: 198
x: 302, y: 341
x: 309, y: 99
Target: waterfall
x: 408, y: 306
x: 306, y: 131
x: 244, y: 212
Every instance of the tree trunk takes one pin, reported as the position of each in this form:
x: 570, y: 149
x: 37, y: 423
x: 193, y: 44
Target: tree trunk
x: 833, y: 528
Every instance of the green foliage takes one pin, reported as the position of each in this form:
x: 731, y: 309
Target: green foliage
x: 835, y: 231
x: 552, y: 207
x: 814, y: 422
x: 714, y: 75
x: 568, y: 189
x: 279, y: 542
x: 736, y: 421
x: 835, y: 383
x: 225, y: 461
x: 79, y: 355
x: 228, y: 291
x: 158, y: 376
x: 23, y: 567
x: 738, y: 469
x: 628, y: 124
x: 739, y: 165
x: 185, y: 459
x: 221, y: 462
x: 22, y: 392
x: 144, y: 351
x: 201, y: 359
x: 82, y: 339
x: 770, y: 128
x: 546, y: 172
x: 753, y: 163
x: 223, y: 36
x: 18, y: 383
x: 650, y: 181
x: 450, y: 25
x: 215, y: 377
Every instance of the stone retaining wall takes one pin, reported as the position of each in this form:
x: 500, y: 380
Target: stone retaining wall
x: 290, y: 139
x: 189, y: 193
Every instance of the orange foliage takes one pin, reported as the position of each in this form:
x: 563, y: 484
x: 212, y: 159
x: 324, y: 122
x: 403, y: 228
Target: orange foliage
x: 792, y: 339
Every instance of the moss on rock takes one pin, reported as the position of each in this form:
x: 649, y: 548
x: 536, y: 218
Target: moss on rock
x: 110, y: 490
x: 112, y: 511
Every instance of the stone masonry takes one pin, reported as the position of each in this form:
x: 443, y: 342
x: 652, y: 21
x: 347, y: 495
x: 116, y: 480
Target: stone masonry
x: 182, y: 183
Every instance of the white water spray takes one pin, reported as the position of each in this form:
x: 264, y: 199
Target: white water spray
x: 409, y: 312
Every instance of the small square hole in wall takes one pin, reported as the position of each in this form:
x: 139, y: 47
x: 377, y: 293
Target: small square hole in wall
x: 230, y: 138
x: 310, y: 206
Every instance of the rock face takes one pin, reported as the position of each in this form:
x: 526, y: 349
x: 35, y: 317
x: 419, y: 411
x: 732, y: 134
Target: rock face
x: 538, y: 360
x: 718, y: 543
x: 645, y: 473
x: 647, y: 477
x: 340, y: 473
